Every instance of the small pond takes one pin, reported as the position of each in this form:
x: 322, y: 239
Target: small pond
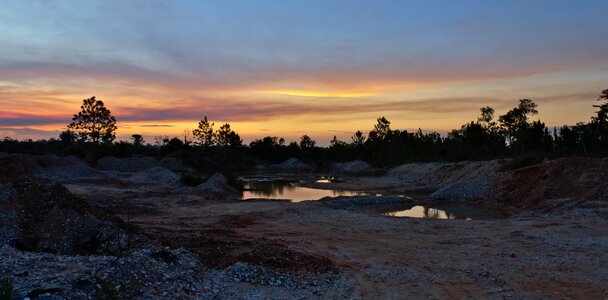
x: 272, y: 188
x: 291, y: 190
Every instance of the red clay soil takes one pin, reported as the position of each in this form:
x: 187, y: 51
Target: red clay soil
x: 538, y: 186
x: 220, y: 246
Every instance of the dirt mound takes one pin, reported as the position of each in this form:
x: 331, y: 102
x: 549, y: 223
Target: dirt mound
x: 18, y: 165
x: 47, y: 166
x: 480, y: 187
x: 132, y: 164
x: 292, y: 164
x: 216, y: 187
x: 222, y: 247
x: 435, y: 175
x: 48, y: 218
x: 565, y: 181
x: 155, y: 175
x: 355, y: 166
x: 65, y: 168
x: 552, y: 183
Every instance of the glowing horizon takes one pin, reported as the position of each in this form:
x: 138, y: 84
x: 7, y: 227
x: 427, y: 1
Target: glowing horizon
x: 321, y: 68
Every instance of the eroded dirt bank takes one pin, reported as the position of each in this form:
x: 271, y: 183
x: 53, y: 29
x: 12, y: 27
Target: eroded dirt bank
x: 190, y: 244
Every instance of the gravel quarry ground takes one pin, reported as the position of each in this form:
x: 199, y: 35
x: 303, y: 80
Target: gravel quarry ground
x: 190, y: 243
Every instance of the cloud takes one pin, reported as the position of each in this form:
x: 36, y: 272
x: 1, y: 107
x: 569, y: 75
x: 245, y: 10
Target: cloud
x: 31, y: 120
x: 27, y: 133
x: 156, y: 125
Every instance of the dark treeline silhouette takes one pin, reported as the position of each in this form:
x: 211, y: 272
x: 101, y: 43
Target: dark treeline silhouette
x: 514, y: 134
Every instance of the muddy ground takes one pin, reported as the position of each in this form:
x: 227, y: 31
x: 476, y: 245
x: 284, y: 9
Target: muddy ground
x: 342, y: 248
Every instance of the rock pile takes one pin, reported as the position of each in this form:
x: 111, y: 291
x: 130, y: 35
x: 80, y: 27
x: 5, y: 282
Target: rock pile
x: 292, y: 164
x: 216, y: 187
x: 138, y: 164
x: 354, y: 167
x: 37, y: 216
x: 155, y: 175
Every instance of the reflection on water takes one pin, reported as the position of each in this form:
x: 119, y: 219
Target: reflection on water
x: 419, y: 211
x: 281, y: 189
x: 327, y: 179
x: 447, y: 211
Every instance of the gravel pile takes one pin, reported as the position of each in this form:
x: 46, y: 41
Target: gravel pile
x: 241, y: 272
x: 292, y: 164
x: 65, y: 168
x: 133, y: 164
x: 143, y: 274
x: 468, y: 189
x: 37, y: 216
x: 216, y: 187
x: 436, y: 175
x: 355, y: 166
x: 155, y: 175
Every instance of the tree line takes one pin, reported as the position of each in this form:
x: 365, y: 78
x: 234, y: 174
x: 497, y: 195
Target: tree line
x: 514, y: 133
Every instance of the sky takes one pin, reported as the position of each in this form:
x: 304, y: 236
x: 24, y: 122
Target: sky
x: 288, y: 68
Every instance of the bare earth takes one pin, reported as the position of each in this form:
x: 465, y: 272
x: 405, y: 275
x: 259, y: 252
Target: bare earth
x: 339, y: 248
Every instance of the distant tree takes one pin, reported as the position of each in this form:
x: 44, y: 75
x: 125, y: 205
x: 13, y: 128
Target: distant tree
x: 602, y: 113
x: 381, y: 132
x: 268, y: 141
x: 487, y: 118
x: 67, y: 137
x: 335, y: 142
x: 487, y: 115
x: 138, y: 139
x: 160, y: 140
x: 306, y: 142
x: 600, y: 121
x: 204, y: 133
x: 171, y: 145
x: 226, y: 137
x: 358, y: 139
x: 187, y: 134
x: 515, y: 122
x: 94, y: 123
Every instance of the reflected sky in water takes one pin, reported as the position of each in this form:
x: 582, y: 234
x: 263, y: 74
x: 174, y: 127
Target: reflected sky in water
x: 419, y: 211
x: 290, y: 190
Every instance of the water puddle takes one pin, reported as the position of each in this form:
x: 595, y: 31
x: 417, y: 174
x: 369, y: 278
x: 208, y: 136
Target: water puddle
x: 290, y: 190
x: 275, y: 188
x: 420, y: 211
x: 327, y: 179
x: 445, y: 212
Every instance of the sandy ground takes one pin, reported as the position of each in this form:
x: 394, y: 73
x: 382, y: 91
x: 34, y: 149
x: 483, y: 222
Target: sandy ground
x: 531, y: 255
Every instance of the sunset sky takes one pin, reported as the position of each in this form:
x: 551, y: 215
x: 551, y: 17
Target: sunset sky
x: 288, y: 68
